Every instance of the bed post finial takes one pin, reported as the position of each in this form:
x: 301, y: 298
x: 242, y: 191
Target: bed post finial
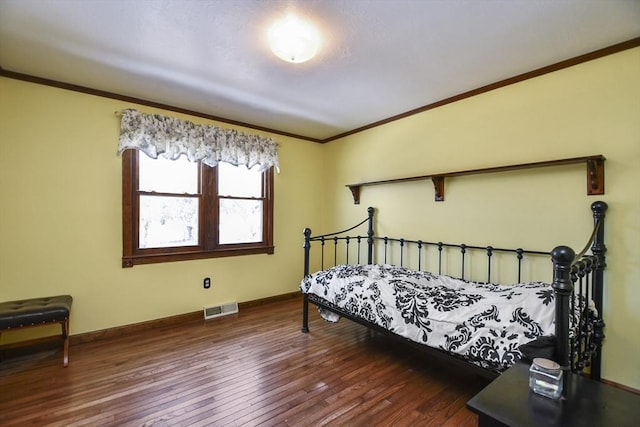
x: 370, y: 211
x: 599, y: 206
x: 562, y: 257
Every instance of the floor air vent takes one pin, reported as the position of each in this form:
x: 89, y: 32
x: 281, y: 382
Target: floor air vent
x: 220, y: 310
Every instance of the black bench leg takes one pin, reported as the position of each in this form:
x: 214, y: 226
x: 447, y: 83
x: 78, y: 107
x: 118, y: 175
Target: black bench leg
x: 65, y: 336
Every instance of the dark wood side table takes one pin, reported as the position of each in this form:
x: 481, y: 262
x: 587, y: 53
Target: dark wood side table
x: 507, y: 401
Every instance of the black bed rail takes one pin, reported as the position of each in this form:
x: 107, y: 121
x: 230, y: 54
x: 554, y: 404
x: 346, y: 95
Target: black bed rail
x: 578, y: 280
x: 423, y: 245
x: 337, y: 237
x: 336, y: 248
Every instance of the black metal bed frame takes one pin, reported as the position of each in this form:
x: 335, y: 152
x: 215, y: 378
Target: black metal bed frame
x: 574, y: 275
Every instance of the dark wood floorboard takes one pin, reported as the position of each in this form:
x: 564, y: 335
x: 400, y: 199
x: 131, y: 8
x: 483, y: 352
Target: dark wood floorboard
x: 254, y: 368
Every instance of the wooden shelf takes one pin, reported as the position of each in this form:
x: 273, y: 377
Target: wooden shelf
x: 594, y: 165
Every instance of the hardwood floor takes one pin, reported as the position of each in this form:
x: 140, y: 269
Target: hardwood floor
x: 251, y: 368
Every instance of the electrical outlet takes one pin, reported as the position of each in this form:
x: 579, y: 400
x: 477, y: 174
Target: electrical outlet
x: 207, y: 282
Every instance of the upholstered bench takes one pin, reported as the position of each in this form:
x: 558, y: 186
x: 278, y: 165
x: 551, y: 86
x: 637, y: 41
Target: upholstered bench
x: 38, y: 312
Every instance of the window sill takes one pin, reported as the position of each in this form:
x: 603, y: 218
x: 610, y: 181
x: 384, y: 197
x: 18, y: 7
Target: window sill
x: 130, y: 261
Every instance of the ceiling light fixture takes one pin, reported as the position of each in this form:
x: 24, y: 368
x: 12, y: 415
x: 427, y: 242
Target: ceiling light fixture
x: 293, y: 39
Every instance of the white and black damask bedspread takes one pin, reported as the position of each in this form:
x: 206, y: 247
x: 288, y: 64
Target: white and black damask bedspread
x: 483, y: 323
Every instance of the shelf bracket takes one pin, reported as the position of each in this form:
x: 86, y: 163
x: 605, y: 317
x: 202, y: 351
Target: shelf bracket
x: 595, y: 176
x: 355, y: 192
x: 438, y: 185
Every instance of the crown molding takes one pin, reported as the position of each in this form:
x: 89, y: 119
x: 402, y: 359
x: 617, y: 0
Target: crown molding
x: 596, y: 54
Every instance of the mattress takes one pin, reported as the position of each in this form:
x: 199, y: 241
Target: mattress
x: 483, y: 323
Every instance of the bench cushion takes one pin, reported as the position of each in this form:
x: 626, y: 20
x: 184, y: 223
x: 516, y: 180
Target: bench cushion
x: 35, y: 311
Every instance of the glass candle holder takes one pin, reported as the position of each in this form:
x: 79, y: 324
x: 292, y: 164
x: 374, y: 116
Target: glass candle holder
x: 545, y: 378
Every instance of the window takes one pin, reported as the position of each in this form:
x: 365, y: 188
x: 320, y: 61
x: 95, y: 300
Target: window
x: 177, y: 210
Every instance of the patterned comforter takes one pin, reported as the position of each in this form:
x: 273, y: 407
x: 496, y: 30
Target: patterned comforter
x: 480, y: 322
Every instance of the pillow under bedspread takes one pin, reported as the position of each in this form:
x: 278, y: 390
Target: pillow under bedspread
x: 484, y: 323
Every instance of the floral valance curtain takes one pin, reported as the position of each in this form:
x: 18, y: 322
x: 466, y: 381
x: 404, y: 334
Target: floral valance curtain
x: 156, y: 135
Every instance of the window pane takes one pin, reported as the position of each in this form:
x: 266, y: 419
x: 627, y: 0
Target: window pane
x: 240, y: 221
x: 239, y: 181
x: 167, y: 176
x: 168, y: 221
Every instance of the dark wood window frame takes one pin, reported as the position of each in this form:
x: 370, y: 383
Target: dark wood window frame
x: 208, y: 246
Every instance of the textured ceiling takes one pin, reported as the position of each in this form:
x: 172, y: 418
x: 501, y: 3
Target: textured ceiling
x: 379, y: 58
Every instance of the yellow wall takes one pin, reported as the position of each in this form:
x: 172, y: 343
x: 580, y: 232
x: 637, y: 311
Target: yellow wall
x: 592, y: 108
x: 61, y: 217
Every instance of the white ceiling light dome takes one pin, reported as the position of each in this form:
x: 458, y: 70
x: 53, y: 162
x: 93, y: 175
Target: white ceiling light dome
x: 293, y: 39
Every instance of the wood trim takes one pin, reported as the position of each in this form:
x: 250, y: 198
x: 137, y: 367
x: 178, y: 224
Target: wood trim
x: 621, y: 386
x: 135, y: 327
x: 596, y: 54
x: 270, y: 300
x: 129, y: 181
x: 46, y: 342
x: 34, y: 345
x: 268, y: 219
x: 42, y: 343
x: 111, y: 95
x: 164, y: 322
x: 209, y: 207
x: 150, y: 258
